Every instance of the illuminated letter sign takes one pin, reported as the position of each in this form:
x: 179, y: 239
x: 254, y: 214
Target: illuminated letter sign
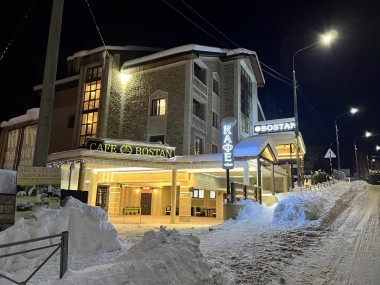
x: 128, y: 147
x: 228, y: 142
x: 275, y: 126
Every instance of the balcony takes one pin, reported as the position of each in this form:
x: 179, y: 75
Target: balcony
x: 200, y: 88
x: 199, y: 123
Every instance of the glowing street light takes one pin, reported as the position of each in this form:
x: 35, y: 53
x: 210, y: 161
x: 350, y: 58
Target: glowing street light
x: 352, y: 111
x: 377, y: 148
x: 325, y: 39
x: 366, y: 135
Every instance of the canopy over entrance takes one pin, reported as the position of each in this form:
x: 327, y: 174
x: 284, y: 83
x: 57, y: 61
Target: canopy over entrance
x: 257, y: 146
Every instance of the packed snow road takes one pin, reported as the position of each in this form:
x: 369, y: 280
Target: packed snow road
x: 343, y: 249
x: 349, y: 252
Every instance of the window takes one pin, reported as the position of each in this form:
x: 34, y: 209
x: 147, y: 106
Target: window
x: 215, y: 123
x: 212, y: 194
x: 245, y: 124
x: 214, y: 149
x: 197, y: 193
x: 200, y: 73
x: 160, y: 138
x: 246, y: 101
x: 198, y: 109
x: 158, y: 107
x: 91, y: 100
x: 71, y: 121
x: 198, y: 147
x: 215, y: 86
x: 246, y: 93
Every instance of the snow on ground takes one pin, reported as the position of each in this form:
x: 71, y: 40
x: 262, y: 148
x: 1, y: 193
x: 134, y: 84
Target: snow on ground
x: 254, y: 248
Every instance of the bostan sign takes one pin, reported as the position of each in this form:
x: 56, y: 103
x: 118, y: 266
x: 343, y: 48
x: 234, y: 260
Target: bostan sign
x: 275, y: 126
x: 130, y: 148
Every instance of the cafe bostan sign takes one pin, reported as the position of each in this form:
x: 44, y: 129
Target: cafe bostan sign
x: 125, y: 147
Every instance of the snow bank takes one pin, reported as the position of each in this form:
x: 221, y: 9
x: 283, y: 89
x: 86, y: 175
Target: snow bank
x: 89, y: 234
x: 310, y: 208
x: 163, y: 257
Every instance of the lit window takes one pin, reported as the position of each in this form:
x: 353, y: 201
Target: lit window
x: 90, y: 107
x: 158, y: 107
x: 197, y: 193
x: 212, y: 194
x: 198, y: 146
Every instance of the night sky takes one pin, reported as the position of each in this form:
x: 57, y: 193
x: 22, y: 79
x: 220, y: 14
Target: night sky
x: 332, y: 79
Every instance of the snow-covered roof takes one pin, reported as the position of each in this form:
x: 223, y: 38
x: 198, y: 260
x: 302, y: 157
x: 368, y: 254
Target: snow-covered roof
x: 173, y: 51
x: 254, y: 146
x: 60, y: 81
x: 31, y: 115
x: 103, y: 48
x: 197, y: 48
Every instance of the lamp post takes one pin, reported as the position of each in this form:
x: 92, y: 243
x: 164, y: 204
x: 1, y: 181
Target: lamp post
x: 326, y: 40
x: 366, y: 135
x: 352, y: 111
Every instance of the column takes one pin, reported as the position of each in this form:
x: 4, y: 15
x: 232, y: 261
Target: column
x: 173, y: 203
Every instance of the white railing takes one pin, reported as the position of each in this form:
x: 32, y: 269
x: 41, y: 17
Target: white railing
x: 199, y: 123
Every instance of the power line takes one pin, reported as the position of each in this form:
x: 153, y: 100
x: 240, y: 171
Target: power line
x: 194, y: 23
x: 289, y: 81
x: 315, y: 113
x: 228, y: 38
x: 97, y: 28
x: 17, y: 30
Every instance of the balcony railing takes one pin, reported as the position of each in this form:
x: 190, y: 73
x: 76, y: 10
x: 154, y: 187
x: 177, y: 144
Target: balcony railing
x: 199, y: 123
x: 200, y: 86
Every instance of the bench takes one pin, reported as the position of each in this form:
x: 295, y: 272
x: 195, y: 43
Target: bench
x: 131, y: 211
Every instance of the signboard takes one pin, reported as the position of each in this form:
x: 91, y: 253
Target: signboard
x: 130, y: 148
x: 24, y: 151
x: 228, y: 142
x: 275, y: 126
x: 37, y: 187
x: 7, y: 198
x: 330, y: 154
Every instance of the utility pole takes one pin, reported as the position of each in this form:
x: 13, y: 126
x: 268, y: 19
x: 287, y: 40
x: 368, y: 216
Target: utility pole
x: 48, y: 86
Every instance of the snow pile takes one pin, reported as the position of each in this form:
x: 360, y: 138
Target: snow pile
x: 310, y: 208
x: 296, y: 210
x: 163, y: 257
x: 254, y: 212
x: 89, y: 234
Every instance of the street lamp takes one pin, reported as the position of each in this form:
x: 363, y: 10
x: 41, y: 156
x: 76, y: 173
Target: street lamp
x: 325, y: 39
x: 366, y: 135
x: 377, y: 148
x: 352, y: 111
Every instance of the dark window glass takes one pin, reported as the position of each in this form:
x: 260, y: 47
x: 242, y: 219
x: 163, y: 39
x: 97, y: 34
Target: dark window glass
x: 160, y: 138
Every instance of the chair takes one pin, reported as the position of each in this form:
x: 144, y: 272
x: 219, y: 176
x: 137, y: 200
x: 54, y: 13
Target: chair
x: 198, y: 211
x: 168, y: 210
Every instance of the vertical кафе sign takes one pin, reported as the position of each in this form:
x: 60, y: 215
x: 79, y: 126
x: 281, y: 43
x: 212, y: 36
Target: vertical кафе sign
x: 228, y: 142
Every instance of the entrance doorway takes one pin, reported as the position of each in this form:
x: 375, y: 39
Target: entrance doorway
x: 102, y: 197
x: 146, y: 203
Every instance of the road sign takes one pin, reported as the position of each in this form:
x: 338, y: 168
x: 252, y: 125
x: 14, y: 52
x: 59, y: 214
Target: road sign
x: 330, y: 154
